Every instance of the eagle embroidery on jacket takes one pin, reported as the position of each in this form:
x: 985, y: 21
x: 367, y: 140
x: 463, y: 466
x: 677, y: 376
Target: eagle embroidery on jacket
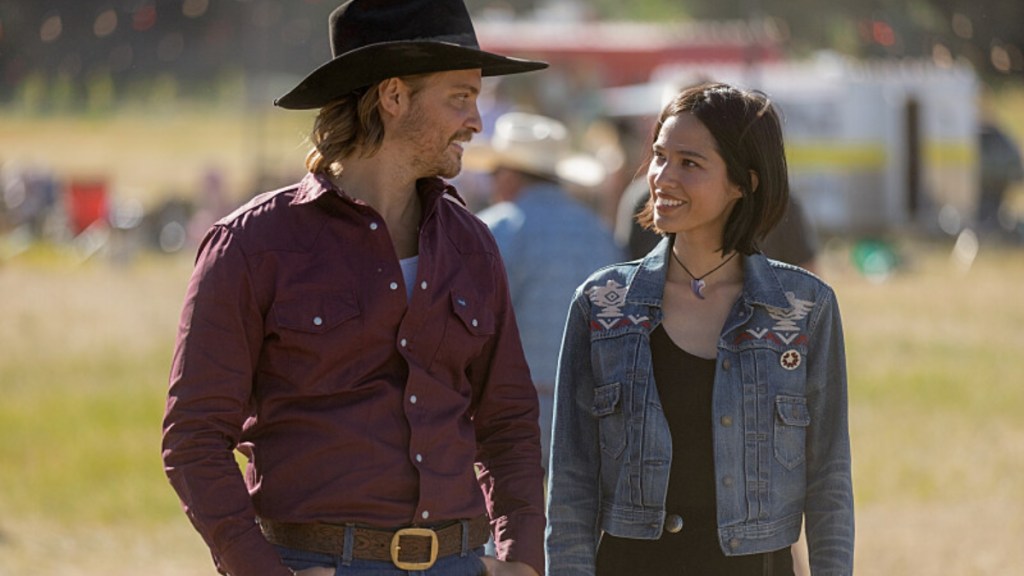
x: 786, y: 329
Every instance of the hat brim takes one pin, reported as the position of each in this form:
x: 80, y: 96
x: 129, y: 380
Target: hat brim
x: 370, y: 64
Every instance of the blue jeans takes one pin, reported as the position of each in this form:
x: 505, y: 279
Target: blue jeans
x: 452, y: 565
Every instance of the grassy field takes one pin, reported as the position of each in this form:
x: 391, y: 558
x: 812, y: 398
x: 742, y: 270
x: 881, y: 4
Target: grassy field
x: 935, y: 363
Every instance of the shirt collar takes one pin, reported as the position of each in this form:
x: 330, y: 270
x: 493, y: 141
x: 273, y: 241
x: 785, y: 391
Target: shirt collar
x: 315, y: 186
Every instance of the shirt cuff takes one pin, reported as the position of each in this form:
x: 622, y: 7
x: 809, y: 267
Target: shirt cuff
x: 252, y: 554
x: 522, y: 540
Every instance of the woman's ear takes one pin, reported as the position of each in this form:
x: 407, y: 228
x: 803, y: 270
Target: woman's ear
x: 754, y: 181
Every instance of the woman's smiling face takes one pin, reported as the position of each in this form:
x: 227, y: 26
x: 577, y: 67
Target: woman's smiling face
x: 688, y: 179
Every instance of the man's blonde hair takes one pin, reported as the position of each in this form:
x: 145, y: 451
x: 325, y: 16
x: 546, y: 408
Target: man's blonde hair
x: 350, y: 124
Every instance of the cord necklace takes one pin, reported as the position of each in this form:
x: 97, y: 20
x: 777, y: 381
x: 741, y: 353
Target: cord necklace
x: 697, y: 283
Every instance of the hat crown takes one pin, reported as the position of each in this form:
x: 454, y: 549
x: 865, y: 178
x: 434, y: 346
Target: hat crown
x: 543, y: 140
x: 536, y: 145
x: 359, y: 23
x: 376, y: 39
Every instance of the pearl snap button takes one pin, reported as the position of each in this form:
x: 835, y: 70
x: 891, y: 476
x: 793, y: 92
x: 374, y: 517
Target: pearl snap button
x: 674, y: 523
x: 317, y: 321
x: 413, y: 399
x: 394, y: 285
x: 373, y: 225
x: 425, y: 515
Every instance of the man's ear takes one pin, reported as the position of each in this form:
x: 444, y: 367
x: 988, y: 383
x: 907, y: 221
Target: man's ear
x: 393, y: 95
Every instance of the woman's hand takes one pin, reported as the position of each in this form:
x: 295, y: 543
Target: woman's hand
x: 496, y: 567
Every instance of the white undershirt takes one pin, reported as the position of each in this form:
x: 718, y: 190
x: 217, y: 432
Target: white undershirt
x: 409, y: 267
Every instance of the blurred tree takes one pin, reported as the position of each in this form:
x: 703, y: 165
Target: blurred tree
x: 67, y: 44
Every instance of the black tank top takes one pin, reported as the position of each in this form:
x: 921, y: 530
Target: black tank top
x: 684, y: 383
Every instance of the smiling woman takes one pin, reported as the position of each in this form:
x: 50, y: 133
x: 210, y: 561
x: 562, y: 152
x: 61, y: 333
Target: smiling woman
x: 691, y: 383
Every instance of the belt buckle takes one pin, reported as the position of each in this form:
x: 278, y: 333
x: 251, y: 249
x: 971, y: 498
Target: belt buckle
x: 396, y: 546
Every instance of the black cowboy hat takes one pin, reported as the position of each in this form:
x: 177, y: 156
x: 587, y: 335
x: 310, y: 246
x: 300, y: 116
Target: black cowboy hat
x: 372, y: 40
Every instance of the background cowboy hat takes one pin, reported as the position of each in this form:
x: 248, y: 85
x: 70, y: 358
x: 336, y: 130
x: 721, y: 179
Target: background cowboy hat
x: 372, y: 40
x: 536, y: 145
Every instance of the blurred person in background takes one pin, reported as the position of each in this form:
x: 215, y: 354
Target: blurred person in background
x: 1001, y: 168
x: 548, y: 241
x: 352, y: 335
x: 29, y: 199
x: 701, y: 397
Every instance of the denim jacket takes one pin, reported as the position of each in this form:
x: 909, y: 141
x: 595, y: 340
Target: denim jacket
x: 779, y: 417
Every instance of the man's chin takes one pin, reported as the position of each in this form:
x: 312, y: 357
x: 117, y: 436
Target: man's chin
x: 450, y: 171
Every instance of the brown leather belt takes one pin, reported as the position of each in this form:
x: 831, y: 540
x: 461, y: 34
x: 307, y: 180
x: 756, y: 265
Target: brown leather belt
x: 413, y: 548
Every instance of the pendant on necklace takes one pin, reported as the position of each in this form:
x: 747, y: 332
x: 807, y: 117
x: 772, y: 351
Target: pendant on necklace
x: 697, y: 285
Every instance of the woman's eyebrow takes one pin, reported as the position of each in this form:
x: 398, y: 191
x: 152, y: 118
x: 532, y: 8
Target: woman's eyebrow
x: 680, y: 150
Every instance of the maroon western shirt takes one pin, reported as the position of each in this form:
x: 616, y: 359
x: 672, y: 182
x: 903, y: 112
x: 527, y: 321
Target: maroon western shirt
x: 298, y: 346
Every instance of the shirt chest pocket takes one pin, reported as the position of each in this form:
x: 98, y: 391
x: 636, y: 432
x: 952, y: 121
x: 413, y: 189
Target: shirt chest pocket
x: 475, y: 318
x: 467, y: 329
x: 315, y: 314
x: 306, y: 333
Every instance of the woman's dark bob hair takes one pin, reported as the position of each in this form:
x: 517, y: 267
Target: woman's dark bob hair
x: 748, y: 135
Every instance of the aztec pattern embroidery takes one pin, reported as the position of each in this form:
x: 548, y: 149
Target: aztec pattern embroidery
x: 610, y: 298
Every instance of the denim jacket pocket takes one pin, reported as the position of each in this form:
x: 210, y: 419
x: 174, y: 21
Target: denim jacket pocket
x: 791, y: 422
x: 607, y: 409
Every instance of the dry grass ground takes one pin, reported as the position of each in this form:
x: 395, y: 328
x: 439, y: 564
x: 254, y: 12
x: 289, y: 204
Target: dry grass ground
x: 935, y: 369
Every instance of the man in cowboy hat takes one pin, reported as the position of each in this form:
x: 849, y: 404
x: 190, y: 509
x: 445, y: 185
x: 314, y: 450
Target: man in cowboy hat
x: 353, y: 337
x: 549, y: 242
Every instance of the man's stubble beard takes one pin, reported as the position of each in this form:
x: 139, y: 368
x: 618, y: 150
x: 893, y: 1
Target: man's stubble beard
x: 445, y: 164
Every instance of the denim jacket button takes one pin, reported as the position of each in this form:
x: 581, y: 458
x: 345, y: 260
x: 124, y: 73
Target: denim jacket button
x: 734, y: 543
x: 726, y: 421
x: 727, y: 481
x: 726, y: 364
x: 674, y: 523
